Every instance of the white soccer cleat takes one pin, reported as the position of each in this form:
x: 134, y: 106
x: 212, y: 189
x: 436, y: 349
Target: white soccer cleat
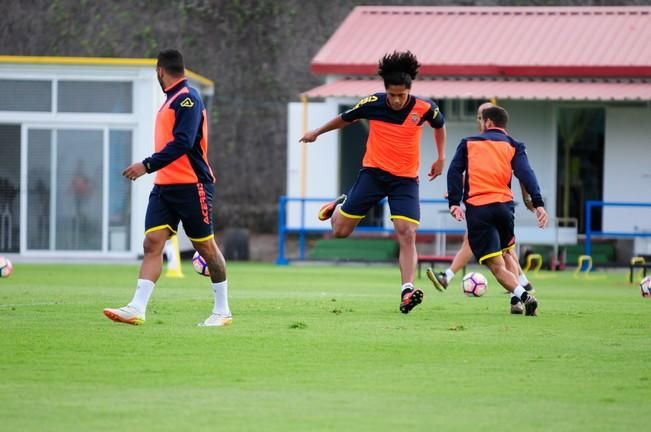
x: 217, y: 320
x: 127, y: 315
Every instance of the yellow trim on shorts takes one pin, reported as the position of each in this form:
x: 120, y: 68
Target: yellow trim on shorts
x: 160, y: 227
x: 202, y: 239
x: 348, y: 215
x: 406, y: 218
x: 508, y: 248
x: 490, y: 255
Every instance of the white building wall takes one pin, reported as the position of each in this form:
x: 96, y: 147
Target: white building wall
x: 534, y: 124
x: 322, y: 175
x: 437, y: 216
x: 148, y: 97
x: 627, y: 168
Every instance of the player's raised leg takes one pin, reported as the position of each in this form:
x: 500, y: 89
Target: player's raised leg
x: 441, y: 280
x: 327, y: 210
x: 343, y: 225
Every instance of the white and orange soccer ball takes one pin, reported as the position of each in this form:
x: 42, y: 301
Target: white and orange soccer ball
x: 645, y: 287
x: 5, y: 267
x: 474, y: 284
x: 199, y: 264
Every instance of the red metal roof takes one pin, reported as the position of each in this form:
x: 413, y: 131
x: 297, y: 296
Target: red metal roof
x: 620, y: 90
x: 494, y: 41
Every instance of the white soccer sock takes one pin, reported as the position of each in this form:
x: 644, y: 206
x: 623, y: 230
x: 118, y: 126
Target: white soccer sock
x: 141, y: 296
x: 407, y: 285
x: 220, y: 289
x: 522, y: 278
x: 449, y: 274
x: 518, y: 291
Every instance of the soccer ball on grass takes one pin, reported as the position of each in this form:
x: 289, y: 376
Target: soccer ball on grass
x: 474, y: 284
x: 645, y: 287
x: 5, y: 267
x: 199, y: 264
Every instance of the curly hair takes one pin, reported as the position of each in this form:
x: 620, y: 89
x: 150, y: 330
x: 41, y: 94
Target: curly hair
x: 398, y: 68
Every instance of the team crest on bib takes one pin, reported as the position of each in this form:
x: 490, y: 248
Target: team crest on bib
x: 414, y: 118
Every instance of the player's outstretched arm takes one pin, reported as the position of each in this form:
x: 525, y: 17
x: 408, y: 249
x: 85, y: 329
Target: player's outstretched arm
x: 335, y: 123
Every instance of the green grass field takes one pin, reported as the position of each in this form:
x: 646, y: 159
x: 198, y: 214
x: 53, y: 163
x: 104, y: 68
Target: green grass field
x: 319, y: 348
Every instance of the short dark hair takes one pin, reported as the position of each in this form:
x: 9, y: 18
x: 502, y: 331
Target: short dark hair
x: 172, y: 61
x: 497, y: 115
x: 398, y: 68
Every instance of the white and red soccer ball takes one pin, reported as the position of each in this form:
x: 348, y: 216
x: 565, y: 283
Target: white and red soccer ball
x: 199, y: 264
x: 5, y: 267
x: 645, y: 287
x: 474, y: 284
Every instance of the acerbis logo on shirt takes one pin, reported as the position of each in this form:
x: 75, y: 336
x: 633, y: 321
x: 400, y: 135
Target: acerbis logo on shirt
x: 187, y: 103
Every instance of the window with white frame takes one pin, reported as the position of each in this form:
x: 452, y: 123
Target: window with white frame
x: 95, y: 97
x: 73, y: 96
x: 26, y: 95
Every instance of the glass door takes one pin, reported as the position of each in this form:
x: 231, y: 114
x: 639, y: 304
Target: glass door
x: 79, y: 189
x: 9, y: 188
x: 77, y: 199
x: 580, y: 162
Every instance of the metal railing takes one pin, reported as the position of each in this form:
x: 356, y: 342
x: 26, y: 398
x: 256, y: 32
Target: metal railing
x: 589, y: 233
x: 302, y: 230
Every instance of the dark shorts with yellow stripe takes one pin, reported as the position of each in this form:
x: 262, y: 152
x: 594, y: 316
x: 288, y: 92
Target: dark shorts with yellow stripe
x: 490, y: 229
x: 187, y: 203
x: 374, y: 184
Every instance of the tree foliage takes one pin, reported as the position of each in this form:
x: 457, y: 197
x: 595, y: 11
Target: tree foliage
x: 257, y: 52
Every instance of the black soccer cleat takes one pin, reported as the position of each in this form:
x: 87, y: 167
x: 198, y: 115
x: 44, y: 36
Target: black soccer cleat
x: 516, y: 306
x: 410, y: 300
x: 439, y: 280
x: 530, y: 305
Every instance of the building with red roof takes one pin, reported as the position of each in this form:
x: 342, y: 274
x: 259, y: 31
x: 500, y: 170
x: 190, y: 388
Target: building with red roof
x: 575, y: 80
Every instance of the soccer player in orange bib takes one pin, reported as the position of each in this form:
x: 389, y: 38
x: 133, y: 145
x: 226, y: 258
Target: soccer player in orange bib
x: 480, y: 175
x: 183, y: 191
x: 441, y: 280
x: 391, y: 162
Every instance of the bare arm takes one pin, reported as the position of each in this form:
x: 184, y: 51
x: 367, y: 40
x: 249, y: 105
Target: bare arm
x: 440, y: 135
x: 335, y: 123
x: 526, y: 198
